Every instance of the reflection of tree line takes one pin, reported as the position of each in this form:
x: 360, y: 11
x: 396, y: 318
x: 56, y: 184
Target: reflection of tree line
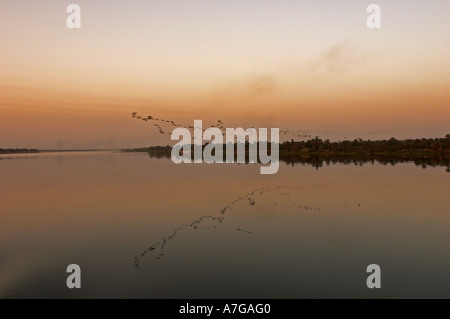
x: 360, y: 159
x: 318, y: 159
x: 315, y: 151
x: 213, y: 221
x: 18, y: 150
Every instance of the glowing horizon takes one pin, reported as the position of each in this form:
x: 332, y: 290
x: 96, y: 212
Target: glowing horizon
x: 297, y: 64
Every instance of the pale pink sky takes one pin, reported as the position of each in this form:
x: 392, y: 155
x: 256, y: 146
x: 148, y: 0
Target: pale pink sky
x: 311, y: 65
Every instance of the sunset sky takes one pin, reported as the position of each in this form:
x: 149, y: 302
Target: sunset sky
x: 309, y: 65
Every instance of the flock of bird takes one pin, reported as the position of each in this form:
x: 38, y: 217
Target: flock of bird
x: 135, y: 115
x: 330, y: 134
x: 286, y: 133
x: 211, y: 221
x: 243, y: 230
x: 250, y: 197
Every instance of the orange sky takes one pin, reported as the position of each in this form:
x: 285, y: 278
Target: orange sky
x: 290, y: 64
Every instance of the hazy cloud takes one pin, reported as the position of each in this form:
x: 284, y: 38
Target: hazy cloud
x: 338, y: 58
x: 245, y: 89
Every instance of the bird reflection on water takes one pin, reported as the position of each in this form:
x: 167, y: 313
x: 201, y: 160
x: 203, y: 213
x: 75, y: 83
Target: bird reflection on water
x: 212, y: 222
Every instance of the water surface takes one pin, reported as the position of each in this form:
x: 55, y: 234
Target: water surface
x: 145, y: 227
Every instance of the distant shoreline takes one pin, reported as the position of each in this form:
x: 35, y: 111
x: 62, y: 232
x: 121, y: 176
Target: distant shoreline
x: 33, y: 150
x: 18, y: 150
x: 431, y: 147
x: 423, y: 147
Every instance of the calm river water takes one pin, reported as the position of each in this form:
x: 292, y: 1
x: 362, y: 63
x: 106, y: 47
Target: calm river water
x: 148, y: 228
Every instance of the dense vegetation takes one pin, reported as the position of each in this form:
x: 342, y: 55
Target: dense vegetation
x: 359, y: 146
x: 317, y: 152
x: 423, y: 146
